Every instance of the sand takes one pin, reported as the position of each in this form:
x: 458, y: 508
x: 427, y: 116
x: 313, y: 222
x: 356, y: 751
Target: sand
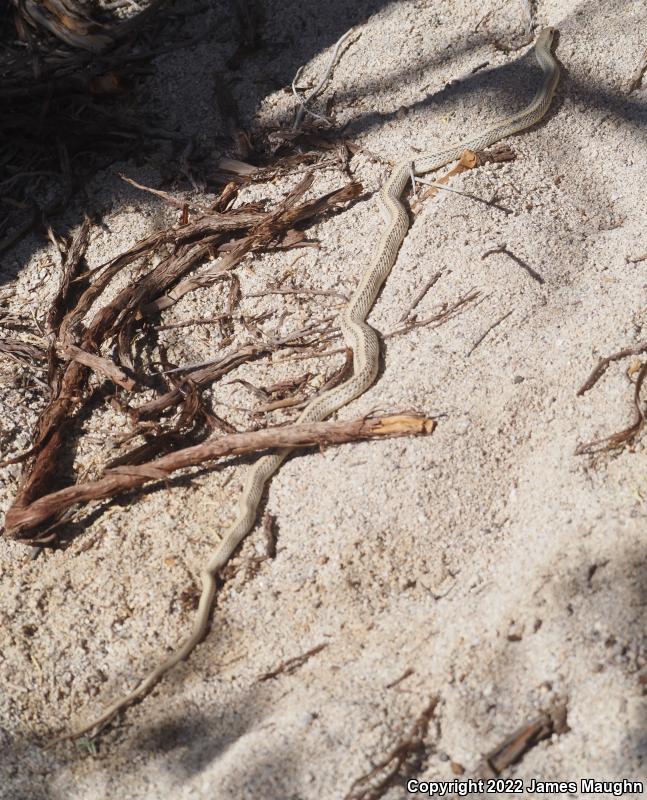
x: 487, y: 566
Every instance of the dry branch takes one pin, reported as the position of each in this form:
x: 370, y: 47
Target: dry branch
x: 636, y: 78
x: 102, y: 366
x: 290, y: 665
x: 374, y: 783
x: 192, y: 244
x: 419, y: 297
x: 22, y: 521
x: 20, y: 350
x: 626, y: 436
x: 603, y: 363
x: 66, y: 384
x: 201, y: 375
x: 514, y: 747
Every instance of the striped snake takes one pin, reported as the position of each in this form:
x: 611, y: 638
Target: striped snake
x: 363, y: 341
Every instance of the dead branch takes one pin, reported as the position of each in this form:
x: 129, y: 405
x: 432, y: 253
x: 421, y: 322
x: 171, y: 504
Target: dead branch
x: 292, y: 664
x: 297, y: 401
x: 603, y: 363
x: 374, y: 783
x: 524, y: 265
x: 72, y: 264
x: 202, y: 375
x: 22, y: 351
x: 66, y: 384
x: 487, y: 332
x: 168, y: 198
x: 512, y: 749
x: 439, y: 318
x: 118, y: 318
x: 636, y: 78
x: 626, y: 436
x: 307, y: 292
x: 469, y: 160
x: 102, y: 366
x: 265, y: 233
x: 20, y: 521
x: 418, y: 298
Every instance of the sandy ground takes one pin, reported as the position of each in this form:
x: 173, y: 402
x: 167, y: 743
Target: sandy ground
x: 494, y: 569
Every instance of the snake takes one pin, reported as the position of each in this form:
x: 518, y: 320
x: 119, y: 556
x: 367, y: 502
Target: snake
x: 360, y: 338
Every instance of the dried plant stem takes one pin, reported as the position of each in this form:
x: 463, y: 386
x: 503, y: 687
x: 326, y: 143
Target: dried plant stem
x: 637, y: 76
x: 303, y: 103
x: 125, y: 478
x: 603, y: 363
x: 626, y: 436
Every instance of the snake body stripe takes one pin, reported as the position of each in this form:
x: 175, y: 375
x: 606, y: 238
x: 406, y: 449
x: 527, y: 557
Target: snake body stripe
x: 363, y: 341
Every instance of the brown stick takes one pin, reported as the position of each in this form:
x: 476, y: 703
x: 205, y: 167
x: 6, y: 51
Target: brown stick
x: 627, y: 435
x: 292, y: 664
x: 374, y: 783
x: 310, y: 292
x: 102, y: 366
x: 512, y: 749
x: 603, y: 363
x: 168, y: 198
x: 117, y: 317
x: 637, y: 75
x: 202, y: 374
x: 489, y: 330
x: 25, y: 519
x: 417, y: 299
x: 51, y: 434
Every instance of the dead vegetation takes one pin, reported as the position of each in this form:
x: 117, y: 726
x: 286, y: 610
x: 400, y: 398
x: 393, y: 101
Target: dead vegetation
x: 79, y: 342
x: 627, y: 436
x: 62, y: 74
x: 59, y: 74
x: 405, y: 758
x: 88, y: 350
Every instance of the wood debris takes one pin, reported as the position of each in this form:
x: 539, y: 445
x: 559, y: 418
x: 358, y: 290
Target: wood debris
x: 635, y: 80
x: 62, y: 72
x: 22, y: 520
x: 515, y: 746
x: 628, y: 435
x: 78, y: 341
x: 292, y: 664
x: 410, y: 748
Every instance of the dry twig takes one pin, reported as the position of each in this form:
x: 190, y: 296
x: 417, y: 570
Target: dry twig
x: 117, y: 319
x: 303, y: 103
x: 418, y: 298
x: 636, y: 79
x: 292, y: 664
x: 21, y: 521
x: 628, y: 435
x: 487, y: 331
x: 603, y: 363
x: 504, y: 249
x: 512, y: 749
x: 374, y: 783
